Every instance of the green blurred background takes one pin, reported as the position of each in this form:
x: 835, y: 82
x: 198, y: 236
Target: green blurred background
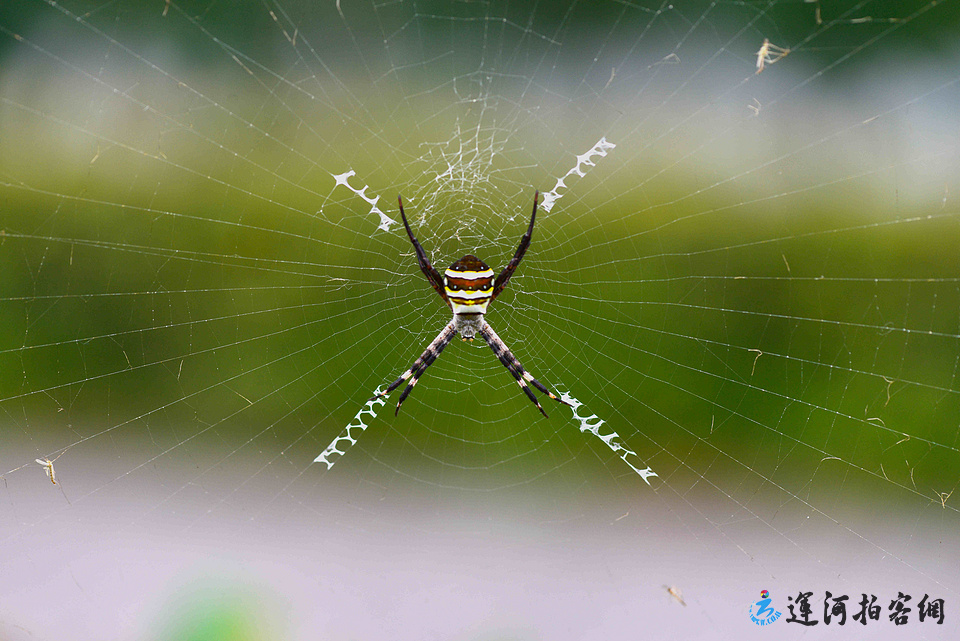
x: 757, y: 288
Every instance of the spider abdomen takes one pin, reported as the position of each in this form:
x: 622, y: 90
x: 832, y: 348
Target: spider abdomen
x: 468, y: 284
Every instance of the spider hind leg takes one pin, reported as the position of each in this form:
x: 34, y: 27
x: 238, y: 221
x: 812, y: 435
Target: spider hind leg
x: 514, y: 367
x: 540, y: 386
x: 420, y: 365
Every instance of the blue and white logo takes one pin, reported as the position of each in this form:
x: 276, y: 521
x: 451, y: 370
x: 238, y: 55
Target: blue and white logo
x: 761, y: 612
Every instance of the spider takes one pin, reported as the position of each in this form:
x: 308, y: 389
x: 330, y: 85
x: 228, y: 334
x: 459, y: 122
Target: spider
x: 468, y: 288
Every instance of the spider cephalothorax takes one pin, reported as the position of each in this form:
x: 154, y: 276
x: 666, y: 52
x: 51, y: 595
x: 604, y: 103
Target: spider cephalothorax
x: 468, y: 287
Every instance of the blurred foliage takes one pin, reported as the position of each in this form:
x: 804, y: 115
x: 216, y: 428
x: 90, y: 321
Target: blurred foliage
x: 171, y: 255
x: 213, y: 611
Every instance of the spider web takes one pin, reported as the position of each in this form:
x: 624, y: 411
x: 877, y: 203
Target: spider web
x: 743, y: 276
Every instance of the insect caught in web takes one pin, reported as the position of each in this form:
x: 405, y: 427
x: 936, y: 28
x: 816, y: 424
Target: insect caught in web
x: 468, y: 287
x: 47, y: 466
x: 675, y: 592
x: 769, y: 53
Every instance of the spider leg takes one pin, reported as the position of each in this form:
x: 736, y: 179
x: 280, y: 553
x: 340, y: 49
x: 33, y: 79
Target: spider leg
x: 433, y: 276
x: 511, y: 363
x: 420, y: 365
x: 511, y: 267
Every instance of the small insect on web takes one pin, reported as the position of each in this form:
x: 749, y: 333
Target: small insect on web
x: 51, y: 472
x: 676, y: 593
x: 47, y: 466
x: 769, y: 53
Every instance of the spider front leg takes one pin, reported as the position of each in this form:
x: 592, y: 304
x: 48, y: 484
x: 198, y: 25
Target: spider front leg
x: 420, y: 365
x: 504, y: 277
x: 511, y: 363
x: 433, y: 276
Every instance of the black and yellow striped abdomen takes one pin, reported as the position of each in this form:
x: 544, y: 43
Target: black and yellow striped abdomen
x: 468, y: 284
